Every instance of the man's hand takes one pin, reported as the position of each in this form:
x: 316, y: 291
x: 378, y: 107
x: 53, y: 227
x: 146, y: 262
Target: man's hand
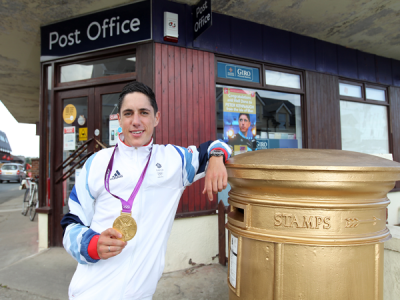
x: 108, y: 245
x: 216, y: 176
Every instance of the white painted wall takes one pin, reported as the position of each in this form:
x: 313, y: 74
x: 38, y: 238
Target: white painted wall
x: 192, y: 238
x: 43, y: 231
x: 391, y: 272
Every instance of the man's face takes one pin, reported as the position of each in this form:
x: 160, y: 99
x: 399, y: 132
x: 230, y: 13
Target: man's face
x: 137, y: 119
x: 244, y: 124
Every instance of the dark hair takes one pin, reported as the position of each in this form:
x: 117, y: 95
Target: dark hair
x: 139, y: 87
x: 247, y: 115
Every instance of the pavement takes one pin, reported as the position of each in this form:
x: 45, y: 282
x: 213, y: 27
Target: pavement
x: 26, y: 273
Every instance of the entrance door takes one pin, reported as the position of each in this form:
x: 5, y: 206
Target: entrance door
x: 86, y: 123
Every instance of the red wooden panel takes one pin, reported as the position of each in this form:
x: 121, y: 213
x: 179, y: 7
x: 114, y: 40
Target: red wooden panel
x: 190, y: 117
x: 202, y: 113
x: 171, y: 95
x: 185, y: 89
x: 178, y: 97
x: 196, y: 125
x: 207, y: 112
x: 158, y: 87
x: 165, y: 101
x: 212, y: 112
x: 184, y: 118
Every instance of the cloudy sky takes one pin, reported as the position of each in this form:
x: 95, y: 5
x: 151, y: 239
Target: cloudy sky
x: 22, y: 137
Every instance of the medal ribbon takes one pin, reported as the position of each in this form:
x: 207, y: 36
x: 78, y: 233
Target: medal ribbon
x: 126, y: 205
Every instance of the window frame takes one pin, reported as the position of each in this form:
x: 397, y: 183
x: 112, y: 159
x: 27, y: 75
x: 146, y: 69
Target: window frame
x: 364, y: 100
x: 263, y: 86
x: 281, y: 88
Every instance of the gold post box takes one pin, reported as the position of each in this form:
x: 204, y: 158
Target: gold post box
x: 308, y: 224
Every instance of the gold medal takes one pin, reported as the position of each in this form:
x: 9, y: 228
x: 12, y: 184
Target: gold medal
x: 126, y: 225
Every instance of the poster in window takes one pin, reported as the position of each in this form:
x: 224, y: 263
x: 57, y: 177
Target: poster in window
x: 240, y: 119
x: 113, y: 130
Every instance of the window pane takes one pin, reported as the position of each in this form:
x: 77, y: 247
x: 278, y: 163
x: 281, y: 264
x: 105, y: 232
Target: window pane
x: 350, y: 90
x: 282, y: 79
x: 99, y: 68
x: 109, y: 120
x: 364, y: 127
x: 73, y: 138
x: 375, y: 94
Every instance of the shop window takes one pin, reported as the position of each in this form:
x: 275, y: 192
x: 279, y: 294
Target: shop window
x: 282, y: 79
x: 98, y: 68
x: 363, y: 120
x: 364, y: 127
x: 255, y: 119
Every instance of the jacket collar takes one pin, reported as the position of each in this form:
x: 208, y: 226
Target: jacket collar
x: 126, y: 148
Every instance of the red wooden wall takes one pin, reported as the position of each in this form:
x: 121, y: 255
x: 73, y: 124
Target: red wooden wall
x: 185, y: 92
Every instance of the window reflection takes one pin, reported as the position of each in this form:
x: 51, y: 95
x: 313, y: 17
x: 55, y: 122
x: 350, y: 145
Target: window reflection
x: 350, y: 90
x: 375, y: 94
x: 276, y: 122
x: 282, y: 79
x: 364, y: 127
x: 99, y: 68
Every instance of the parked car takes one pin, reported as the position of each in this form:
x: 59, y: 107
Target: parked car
x: 12, y: 172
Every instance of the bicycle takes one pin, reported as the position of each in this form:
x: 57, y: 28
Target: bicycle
x: 30, y: 202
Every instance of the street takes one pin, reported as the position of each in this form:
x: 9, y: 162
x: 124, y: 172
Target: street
x: 10, y: 191
x: 27, y: 274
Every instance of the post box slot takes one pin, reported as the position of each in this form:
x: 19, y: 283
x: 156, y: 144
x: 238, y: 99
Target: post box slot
x: 237, y: 215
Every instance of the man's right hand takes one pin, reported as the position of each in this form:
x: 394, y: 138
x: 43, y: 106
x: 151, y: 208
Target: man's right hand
x: 108, y: 245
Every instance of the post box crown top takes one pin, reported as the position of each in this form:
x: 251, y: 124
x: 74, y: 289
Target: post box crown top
x: 312, y: 159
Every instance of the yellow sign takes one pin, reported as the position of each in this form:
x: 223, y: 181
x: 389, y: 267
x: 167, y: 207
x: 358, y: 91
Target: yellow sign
x: 83, y: 134
x: 239, y: 101
x: 69, y: 114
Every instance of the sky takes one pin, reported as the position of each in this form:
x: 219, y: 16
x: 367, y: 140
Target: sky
x: 22, y: 137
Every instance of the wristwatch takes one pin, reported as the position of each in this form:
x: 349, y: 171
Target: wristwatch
x: 217, y: 153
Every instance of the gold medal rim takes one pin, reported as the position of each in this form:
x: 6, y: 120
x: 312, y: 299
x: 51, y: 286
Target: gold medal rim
x: 134, y: 225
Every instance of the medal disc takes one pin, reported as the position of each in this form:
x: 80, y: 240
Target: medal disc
x: 126, y: 225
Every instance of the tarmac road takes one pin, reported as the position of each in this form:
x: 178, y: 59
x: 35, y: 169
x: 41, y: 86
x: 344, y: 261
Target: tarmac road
x: 10, y: 191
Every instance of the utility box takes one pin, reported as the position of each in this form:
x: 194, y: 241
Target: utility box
x: 308, y: 224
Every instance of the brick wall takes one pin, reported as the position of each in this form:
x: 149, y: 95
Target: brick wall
x: 35, y: 167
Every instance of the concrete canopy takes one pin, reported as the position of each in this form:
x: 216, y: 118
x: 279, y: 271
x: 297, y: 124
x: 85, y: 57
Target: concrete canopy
x: 370, y: 26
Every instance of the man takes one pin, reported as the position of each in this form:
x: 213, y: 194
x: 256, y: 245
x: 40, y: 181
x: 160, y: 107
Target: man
x: 110, y: 268
x: 240, y: 139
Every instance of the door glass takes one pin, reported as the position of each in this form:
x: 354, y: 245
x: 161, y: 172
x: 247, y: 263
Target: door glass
x: 109, y: 120
x: 75, y: 133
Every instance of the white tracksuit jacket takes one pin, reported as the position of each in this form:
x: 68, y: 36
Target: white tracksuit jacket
x: 134, y: 273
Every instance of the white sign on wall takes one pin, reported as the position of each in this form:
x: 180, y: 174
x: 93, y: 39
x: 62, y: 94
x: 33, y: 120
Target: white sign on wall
x: 69, y: 138
x: 233, y: 260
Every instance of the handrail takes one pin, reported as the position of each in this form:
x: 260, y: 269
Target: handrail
x: 98, y: 142
x: 68, y: 174
x: 73, y: 156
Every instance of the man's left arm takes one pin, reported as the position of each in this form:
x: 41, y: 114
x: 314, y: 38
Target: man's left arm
x: 203, y: 161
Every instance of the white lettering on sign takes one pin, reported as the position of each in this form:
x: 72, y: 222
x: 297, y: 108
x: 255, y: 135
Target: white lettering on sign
x: 54, y: 38
x: 201, y: 9
x: 106, y: 29
x: 201, y: 22
x: 243, y: 72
